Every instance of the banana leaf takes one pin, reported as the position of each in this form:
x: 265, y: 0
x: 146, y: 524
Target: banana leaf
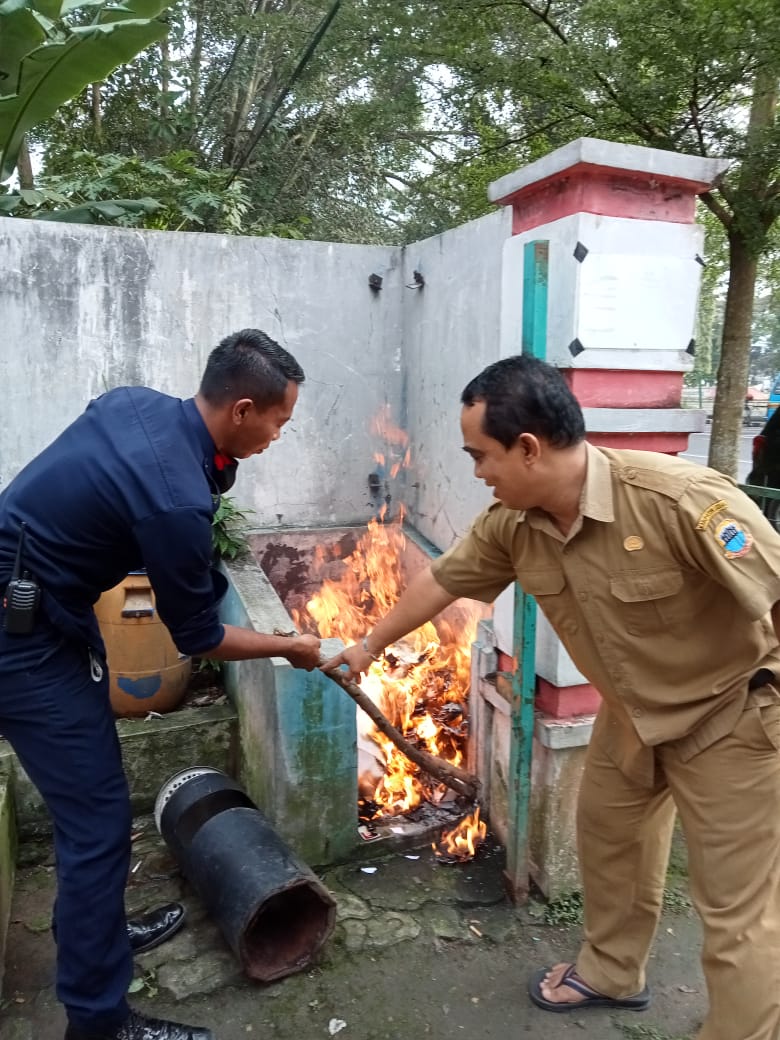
x: 44, y: 63
x: 95, y: 212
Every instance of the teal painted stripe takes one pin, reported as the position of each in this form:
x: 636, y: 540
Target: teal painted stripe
x: 534, y: 342
x: 535, y: 273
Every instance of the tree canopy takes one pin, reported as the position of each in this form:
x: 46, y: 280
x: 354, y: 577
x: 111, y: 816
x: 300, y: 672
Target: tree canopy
x: 380, y: 120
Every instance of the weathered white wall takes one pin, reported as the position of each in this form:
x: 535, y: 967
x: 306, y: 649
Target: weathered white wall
x: 84, y: 309
x: 451, y: 331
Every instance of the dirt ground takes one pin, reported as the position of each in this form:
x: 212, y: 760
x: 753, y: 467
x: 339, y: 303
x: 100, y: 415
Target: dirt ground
x: 420, y: 949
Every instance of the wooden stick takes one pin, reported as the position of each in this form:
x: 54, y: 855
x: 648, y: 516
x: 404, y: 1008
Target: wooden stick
x: 458, y: 779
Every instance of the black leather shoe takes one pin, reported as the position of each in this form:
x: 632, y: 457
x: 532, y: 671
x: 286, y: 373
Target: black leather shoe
x: 139, y: 1027
x: 151, y: 929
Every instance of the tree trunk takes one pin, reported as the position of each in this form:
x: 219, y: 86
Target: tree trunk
x: 24, y: 167
x: 237, y: 128
x: 747, y: 233
x: 733, y: 370
x: 165, y: 77
x: 196, y: 59
x: 96, y: 111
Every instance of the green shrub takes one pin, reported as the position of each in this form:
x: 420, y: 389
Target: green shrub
x: 227, y: 529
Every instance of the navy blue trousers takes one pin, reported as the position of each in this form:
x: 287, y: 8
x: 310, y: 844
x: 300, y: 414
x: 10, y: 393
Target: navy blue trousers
x: 59, y: 721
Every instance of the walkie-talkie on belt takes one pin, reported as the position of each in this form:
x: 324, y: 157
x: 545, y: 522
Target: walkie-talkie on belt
x: 22, y: 596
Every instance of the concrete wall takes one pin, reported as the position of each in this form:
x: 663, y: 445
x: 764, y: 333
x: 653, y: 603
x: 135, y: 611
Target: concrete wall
x: 153, y: 750
x: 297, y: 731
x: 84, y: 309
x: 451, y: 330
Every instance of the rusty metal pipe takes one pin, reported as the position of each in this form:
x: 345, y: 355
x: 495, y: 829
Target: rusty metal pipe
x: 273, y: 911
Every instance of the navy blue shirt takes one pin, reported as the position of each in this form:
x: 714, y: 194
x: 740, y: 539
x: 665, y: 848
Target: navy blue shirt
x: 128, y: 485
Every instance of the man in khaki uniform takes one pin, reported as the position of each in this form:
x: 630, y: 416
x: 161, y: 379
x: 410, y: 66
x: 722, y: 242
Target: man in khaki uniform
x: 661, y: 579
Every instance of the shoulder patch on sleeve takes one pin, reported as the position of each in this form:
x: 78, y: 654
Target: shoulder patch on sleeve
x: 733, y: 538
x: 709, y: 512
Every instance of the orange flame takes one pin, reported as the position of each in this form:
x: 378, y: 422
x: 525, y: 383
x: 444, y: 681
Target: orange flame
x: 462, y: 842
x: 382, y: 426
x: 422, y: 684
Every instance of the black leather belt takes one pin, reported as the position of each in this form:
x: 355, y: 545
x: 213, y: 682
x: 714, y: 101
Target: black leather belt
x: 761, y: 678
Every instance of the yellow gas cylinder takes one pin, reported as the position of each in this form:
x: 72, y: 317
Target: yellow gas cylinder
x: 147, y: 671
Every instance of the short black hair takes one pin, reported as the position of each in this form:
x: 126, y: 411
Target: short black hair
x: 525, y: 395
x: 249, y: 364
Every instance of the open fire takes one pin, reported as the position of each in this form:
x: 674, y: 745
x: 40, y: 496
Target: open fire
x: 461, y: 843
x: 421, y: 685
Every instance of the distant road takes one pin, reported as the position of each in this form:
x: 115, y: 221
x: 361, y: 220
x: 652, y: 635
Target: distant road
x: 699, y: 446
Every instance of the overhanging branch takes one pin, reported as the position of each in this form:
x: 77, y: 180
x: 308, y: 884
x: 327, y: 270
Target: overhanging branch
x: 717, y: 208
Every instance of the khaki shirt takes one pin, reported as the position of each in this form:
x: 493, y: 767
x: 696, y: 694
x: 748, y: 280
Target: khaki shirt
x: 660, y: 592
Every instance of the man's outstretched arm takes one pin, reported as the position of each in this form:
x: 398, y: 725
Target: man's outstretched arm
x: 423, y: 599
x: 242, y: 644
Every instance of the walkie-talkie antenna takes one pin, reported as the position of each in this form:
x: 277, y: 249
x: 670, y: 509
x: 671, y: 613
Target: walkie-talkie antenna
x: 19, y: 550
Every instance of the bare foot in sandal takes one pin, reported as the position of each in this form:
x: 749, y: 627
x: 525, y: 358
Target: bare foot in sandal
x: 555, y: 990
x: 560, y: 988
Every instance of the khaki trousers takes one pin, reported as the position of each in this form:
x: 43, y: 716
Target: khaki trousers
x: 728, y: 798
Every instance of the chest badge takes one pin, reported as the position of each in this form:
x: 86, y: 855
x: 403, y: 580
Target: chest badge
x: 734, y: 539
x: 633, y: 542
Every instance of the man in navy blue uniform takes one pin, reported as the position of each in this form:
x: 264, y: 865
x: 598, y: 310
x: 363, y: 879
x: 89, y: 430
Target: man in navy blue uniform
x: 131, y: 484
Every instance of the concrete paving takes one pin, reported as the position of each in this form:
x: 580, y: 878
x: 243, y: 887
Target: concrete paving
x: 420, y: 950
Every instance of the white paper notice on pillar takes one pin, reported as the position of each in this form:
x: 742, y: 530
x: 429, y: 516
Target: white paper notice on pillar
x: 621, y: 293
x: 630, y: 302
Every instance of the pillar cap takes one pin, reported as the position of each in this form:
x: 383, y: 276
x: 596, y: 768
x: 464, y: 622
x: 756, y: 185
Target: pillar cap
x: 699, y: 172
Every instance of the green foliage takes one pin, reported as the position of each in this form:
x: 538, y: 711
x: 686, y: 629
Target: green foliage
x: 691, y: 76
x: 567, y: 910
x: 208, y: 668
x: 406, y: 111
x: 49, y: 53
x: 403, y: 115
x: 322, y: 168
x: 47, y: 204
x: 677, y: 901
x: 171, y: 193
x: 226, y: 527
x: 645, y: 1032
x: 146, y: 983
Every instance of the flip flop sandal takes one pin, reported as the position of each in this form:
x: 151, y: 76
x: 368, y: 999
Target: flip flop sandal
x: 570, y: 978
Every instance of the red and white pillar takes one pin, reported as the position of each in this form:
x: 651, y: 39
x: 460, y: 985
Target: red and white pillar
x: 625, y: 261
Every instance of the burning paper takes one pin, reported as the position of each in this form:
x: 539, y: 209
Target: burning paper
x: 421, y: 685
x: 461, y: 843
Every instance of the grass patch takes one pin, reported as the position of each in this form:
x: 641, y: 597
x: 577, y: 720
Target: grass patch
x: 647, y: 1033
x: 564, y: 911
x: 676, y: 896
x: 678, y: 857
x: 677, y: 901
